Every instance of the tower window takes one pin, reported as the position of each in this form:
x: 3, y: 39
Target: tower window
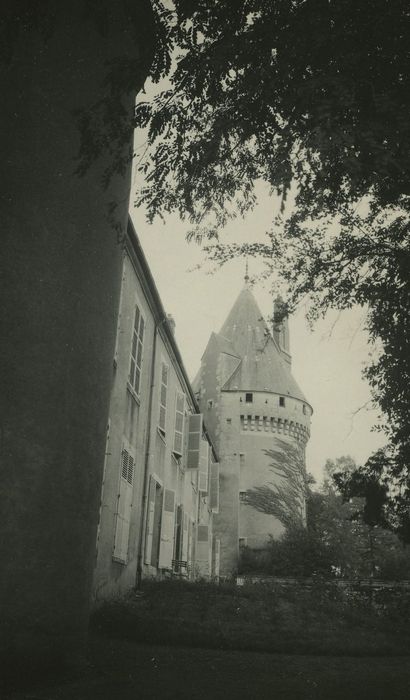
x: 210, y: 403
x: 249, y: 398
x: 282, y: 401
x: 304, y: 409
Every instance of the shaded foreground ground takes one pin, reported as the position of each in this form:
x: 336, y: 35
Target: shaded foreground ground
x: 199, y: 640
x: 127, y: 671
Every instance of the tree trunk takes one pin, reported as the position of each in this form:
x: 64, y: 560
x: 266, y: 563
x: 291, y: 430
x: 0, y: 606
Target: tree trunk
x: 60, y: 276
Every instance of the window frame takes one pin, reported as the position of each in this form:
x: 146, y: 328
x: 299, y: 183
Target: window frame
x: 179, y: 452
x: 162, y: 405
x: 137, y: 349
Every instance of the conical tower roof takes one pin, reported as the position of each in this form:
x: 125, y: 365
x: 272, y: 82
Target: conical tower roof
x: 262, y: 366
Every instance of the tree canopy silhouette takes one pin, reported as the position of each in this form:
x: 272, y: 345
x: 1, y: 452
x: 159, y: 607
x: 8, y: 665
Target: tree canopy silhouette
x: 312, y: 96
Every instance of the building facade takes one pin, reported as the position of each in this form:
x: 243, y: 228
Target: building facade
x: 161, y: 475
x: 251, y: 404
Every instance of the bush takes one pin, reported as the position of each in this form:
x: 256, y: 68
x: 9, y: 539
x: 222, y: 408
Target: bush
x: 317, y: 617
x: 297, y: 554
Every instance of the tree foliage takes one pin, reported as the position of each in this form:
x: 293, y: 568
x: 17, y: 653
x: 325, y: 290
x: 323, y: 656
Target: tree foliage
x: 313, y: 91
x: 284, y: 497
x: 383, y: 499
x: 311, y: 95
x: 347, y: 535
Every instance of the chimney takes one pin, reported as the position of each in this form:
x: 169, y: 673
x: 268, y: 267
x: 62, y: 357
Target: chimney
x: 280, y: 327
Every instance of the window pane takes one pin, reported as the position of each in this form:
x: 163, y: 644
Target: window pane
x: 162, y: 417
x: 137, y: 380
x: 139, y: 354
x: 134, y: 345
x: 163, y: 395
x: 137, y: 318
x: 164, y: 374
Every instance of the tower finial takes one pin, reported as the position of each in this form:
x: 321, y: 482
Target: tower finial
x: 246, y: 272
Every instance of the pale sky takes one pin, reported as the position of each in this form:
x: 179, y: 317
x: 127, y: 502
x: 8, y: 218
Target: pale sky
x: 327, y: 362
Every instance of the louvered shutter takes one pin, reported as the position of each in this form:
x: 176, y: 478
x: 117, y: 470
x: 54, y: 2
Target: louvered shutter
x: 123, y: 518
x: 166, y: 549
x: 202, y: 550
x: 179, y: 423
x: 194, y: 440
x: 203, y: 466
x: 214, y: 487
x: 150, y: 520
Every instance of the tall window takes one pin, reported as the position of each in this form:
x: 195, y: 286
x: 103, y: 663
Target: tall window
x: 136, y: 351
x: 163, y: 397
x: 179, y: 423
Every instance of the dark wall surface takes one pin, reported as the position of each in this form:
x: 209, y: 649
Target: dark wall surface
x: 60, y: 279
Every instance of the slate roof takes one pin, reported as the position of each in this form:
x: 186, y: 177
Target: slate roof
x: 262, y: 367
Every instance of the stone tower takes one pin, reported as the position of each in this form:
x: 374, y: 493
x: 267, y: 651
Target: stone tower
x: 250, y: 400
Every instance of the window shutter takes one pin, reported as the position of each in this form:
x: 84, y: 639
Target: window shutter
x: 179, y: 536
x: 107, y: 454
x: 119, y: 320
x: 217, y: 556
x: 203, y: 466
x: 124, y: 507
x: 150, y: 520
x: 194, y: 440
x: 185, y: 539
x: 179, y: 423
x: 167, y: 530
x: 163, y: 397
x: 202, y: 550
x: 214, y: 487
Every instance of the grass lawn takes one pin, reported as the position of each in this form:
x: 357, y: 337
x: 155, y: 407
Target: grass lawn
x: 123, y: 670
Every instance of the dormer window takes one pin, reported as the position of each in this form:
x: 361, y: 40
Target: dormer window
x: 282, y: 401
x: 249, y: 398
